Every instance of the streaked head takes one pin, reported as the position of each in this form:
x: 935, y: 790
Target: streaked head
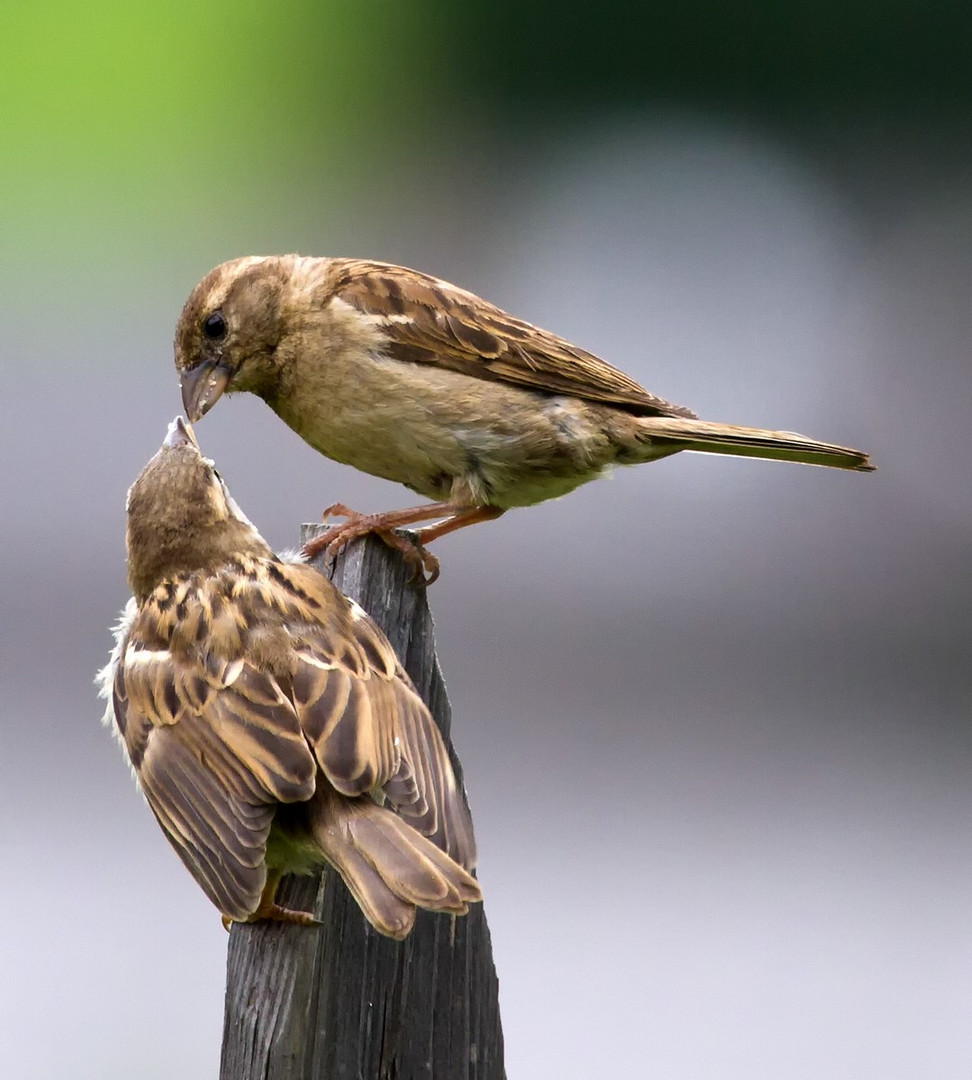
x: 181, y: 516
x: 229, y: 330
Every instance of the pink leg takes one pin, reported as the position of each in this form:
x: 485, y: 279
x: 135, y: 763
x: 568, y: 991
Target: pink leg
x: 425, y: 565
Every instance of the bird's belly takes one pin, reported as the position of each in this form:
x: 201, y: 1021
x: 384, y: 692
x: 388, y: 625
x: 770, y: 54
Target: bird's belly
x: 291, y: 848
x: 448, y: 435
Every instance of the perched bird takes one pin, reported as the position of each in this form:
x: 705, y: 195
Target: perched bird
x: 269, y: 723
x: 412, y: 379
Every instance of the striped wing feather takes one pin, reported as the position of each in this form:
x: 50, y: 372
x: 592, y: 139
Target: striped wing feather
x: 370, y: 731
x: 429, y: 321
x: 218, y: 741
x: 213, y: 758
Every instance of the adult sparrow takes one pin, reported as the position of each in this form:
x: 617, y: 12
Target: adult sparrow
x: 269, y: 723
x: 413, y: 379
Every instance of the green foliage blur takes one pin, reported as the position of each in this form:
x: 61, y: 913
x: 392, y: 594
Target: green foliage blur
x: 161, y: 110
x: 176, y: 122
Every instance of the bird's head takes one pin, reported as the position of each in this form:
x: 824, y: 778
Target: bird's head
x: 181, y: 516
x: 229, y: 330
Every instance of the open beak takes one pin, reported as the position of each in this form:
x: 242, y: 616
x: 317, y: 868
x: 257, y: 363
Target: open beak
x: 180, y: 434
x: 202, y: 388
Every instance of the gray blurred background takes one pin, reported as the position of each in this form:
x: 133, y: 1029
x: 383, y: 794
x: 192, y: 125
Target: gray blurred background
x: 714, y: 714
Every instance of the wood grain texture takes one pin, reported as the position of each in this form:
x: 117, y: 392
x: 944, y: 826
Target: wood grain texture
x: 342, y: 1002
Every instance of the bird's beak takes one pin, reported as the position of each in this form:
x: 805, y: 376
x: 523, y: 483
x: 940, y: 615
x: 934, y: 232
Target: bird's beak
x: 202, y: 388
x: 180, y: 434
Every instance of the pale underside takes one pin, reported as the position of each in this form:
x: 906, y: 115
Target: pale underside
x: 430, y: 429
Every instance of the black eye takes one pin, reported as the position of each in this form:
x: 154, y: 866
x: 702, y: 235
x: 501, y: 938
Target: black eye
x: 214, y: 326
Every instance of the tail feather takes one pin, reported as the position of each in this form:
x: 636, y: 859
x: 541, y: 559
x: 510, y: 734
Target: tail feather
x: 390, y: 868
x: 710, y: 438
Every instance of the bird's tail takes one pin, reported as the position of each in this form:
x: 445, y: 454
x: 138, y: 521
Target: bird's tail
x: 390, y: 868
x: 680, y: 433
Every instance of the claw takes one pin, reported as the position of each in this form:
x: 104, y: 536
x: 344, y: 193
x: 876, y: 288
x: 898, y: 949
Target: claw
x: 340, y: 510
x: 424, y: 565
x: 274, y: 913
x: 268, y: 908
x: 277, y: 913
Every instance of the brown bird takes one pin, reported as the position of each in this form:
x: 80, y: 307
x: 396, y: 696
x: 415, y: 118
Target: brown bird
x: 270, y: 725
x: 412, y: 379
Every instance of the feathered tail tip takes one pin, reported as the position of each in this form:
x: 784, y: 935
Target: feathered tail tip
x: 390, y: 868
x: 709, y: 438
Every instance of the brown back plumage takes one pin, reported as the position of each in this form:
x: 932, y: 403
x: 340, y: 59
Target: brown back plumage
x: 433, y: 322
x: 248, y: 684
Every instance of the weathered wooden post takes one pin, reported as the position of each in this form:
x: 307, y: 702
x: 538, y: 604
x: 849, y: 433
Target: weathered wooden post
x: 342, y: 1002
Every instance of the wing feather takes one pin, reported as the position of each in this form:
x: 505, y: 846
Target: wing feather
x: 429, y: 321
x: 218, y: 741
x: 213, y: 758
x: 369, y: 729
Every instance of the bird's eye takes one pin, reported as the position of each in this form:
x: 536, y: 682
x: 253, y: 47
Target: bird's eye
x: 214, y: 326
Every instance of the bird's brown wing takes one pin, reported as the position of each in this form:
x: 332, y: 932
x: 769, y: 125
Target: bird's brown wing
x: 215, y: 745
x: 370, y: 730
x: 429, y: 321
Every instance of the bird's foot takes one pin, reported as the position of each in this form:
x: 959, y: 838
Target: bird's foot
x: 274, y: 913
x: 424, y: 565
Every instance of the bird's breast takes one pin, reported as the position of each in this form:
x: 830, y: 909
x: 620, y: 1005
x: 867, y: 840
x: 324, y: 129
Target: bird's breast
x: 443, y: 433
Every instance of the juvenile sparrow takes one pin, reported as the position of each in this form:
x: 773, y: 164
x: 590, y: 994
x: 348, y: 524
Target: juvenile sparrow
x: 268, y: 720
x: 413, y: 379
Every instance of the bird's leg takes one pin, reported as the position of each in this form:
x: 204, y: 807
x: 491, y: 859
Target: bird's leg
x: 268, y: 908
x: 425, y: 565
x: 459, y: 520
x: 414, y: 549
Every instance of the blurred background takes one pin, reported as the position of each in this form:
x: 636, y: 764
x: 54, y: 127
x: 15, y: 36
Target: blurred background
x: 714, y: 714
